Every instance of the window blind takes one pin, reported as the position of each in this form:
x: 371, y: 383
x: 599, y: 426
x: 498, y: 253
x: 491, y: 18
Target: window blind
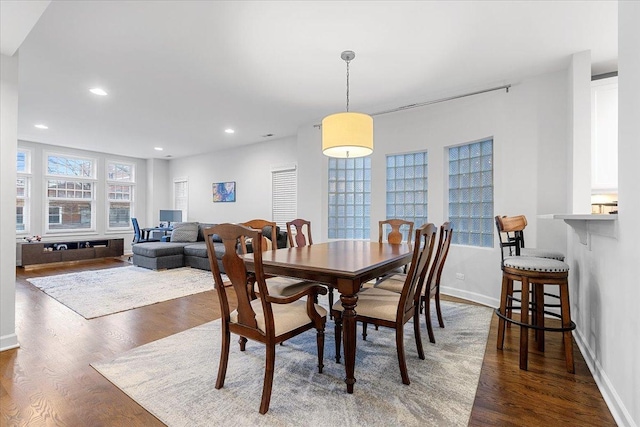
x: 284, y: 187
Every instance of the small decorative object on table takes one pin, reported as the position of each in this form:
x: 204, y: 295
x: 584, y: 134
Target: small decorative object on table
x: 32, y: 239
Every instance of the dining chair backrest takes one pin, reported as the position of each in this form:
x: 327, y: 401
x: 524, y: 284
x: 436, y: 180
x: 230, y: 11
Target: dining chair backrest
x: 260, y: 224
x: 395, y: 235
x: 302, y: 230
x: 236, y: 271
x: 422, y: 251
x: 442, y: 250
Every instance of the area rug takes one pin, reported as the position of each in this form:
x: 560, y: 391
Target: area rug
x: 174, y: 378
x: 98, y: 293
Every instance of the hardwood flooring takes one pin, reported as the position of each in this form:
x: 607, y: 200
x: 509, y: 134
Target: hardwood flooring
x: 48, y: 380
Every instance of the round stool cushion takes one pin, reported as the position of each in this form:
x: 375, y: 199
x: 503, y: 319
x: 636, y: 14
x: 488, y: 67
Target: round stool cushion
x: 541, y: 253
x: 536, y: 264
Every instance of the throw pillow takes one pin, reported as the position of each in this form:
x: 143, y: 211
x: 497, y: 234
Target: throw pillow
x: 185, y: 232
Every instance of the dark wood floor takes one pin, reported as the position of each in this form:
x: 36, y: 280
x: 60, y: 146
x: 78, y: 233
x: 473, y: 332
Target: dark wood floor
x: 48, y: 380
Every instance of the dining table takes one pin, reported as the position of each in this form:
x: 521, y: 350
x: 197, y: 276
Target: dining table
x: 344, y: 265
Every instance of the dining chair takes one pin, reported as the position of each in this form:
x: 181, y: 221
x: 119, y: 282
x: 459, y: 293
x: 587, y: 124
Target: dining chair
x: 137, y: 233
x: 432, y: 284
x: 390, y: 309
x: 268, y: 319
x: 301, y: 229
x: 277, y: 285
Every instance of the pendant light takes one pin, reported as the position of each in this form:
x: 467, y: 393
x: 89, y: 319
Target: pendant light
x: 347, y: 135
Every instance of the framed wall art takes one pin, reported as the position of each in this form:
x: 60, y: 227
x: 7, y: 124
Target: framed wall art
x: 224, y: 191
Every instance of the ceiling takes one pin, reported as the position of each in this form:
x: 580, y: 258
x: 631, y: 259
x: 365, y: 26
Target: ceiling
x: 178, y: 73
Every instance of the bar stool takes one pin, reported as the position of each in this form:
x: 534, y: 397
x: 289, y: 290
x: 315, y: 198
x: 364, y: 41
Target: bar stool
x: 537, y: 272
x: 511, y: 236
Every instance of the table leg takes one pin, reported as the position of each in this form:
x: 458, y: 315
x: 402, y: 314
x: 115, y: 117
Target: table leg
x: 349, y: 338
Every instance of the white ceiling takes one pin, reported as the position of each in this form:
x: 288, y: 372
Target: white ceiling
x: 180, y: 72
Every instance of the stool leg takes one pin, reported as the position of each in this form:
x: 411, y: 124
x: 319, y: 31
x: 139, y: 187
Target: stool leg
x: 524, y: 318
x: 566, y: 322
x: 503, y: 310
x: 509, y: 301
x: 539, y: 320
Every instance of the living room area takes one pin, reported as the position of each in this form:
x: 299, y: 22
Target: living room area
x: 110, y: 366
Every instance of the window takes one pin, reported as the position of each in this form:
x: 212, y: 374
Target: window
x: 471, y: 193
x: 181, y: 196
x: 349, y: 198
x: 23, y: 191
x: 407, y: 188
x: 70, y: 193
x: 284, y: 187
x: 120, y: 191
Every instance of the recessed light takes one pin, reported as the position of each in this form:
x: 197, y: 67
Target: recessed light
x: 229, y: 131
x: 98, y: 91
x: 158, y: 148
x: 42, y: 126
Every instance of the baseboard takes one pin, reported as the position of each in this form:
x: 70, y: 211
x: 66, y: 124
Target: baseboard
x: 611, y: 397
x: 470, y: 296
x: 8, y: 342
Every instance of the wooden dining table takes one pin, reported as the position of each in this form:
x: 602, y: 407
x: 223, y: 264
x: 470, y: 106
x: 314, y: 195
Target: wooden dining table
x: 344, y: 265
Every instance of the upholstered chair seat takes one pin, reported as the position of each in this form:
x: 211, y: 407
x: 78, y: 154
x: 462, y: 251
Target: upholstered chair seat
x: 286, y: 317
x: 377, y: 303
x: 536, y: 264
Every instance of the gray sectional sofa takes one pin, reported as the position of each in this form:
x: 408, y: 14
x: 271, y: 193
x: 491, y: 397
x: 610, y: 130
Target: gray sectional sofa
x: 187, y: 248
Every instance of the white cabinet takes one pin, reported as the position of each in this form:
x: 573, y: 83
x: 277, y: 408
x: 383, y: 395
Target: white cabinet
x: 604, y: 135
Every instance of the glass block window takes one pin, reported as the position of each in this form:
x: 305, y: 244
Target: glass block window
x: 471, y: 193
x: 407, y: 188
x: 349, y: 198
x: 120, y: 191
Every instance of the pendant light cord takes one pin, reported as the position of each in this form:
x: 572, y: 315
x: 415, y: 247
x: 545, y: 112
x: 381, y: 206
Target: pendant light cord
x: 347, y: 61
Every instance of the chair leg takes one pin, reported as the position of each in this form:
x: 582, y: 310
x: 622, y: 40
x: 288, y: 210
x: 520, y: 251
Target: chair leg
x: 539, y: 319
x: 330, y: 295
x: 401, y: 359
x: 243, y: 343
x: 364, y: 331
x: 509, y: 311
x: 224, y: 357
x: 338, y: 335
x: 320, y: 340
x: 416, y: 332
x: 566, y: 322
x: 438, y: 311
x: 503, y: 310
x: 268, y: 379
x: 427, y: 316
x: 524, y: 319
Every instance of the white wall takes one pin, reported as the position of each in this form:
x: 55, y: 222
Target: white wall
x: 37, y: 206
x: 605, y: 289
x: 8, y: 153
x: 249, y: 166
x: 527, y: 124
x: 159, y: 192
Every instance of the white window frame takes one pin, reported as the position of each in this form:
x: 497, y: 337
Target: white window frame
x: 130, y: 183
x: 26, y: 175
x: 90, y: 179
x: 284, y: 190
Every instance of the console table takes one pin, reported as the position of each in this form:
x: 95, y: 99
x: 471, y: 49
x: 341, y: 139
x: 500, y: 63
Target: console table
x: 68, y: 250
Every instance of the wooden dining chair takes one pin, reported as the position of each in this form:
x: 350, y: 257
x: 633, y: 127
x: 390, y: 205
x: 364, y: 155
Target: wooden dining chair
x: 268, y: 319
x: 390, y: 309
x: 301, y: 229
x: 282, y: 286
x: 395, y: 234
x: 395, y: 283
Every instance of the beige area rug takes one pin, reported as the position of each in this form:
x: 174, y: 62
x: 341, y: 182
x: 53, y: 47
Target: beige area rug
x: 98, y: 293
x: 174, y: 378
